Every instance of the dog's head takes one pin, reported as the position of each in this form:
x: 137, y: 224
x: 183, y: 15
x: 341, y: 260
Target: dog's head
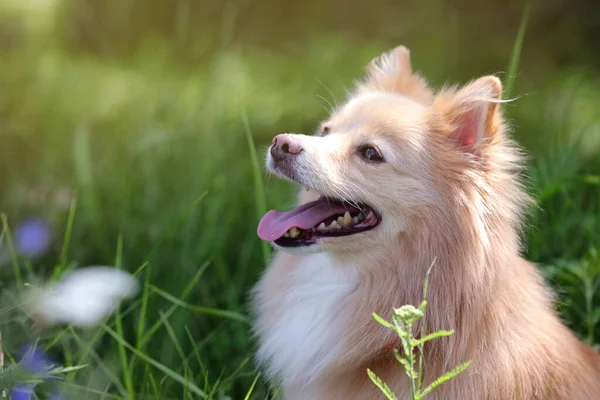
x: 383, y: 160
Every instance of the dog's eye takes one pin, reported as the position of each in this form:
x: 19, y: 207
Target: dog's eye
x: 325, y: 131
x: 370, y: 153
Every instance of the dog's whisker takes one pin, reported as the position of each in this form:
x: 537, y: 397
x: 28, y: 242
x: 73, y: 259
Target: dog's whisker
x: 333, y: 97
x: 327, y: 101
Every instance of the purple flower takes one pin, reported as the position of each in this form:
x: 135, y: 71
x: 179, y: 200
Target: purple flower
x: 22, y: 392
x: 25, y: 392
x: 33, y: 238
x: 34, y: 361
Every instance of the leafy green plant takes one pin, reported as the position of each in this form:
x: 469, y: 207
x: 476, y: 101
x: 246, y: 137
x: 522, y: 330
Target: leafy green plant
x: 411, y: 357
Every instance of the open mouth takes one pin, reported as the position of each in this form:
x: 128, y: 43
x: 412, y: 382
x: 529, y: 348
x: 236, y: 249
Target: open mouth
x: 324, y: 217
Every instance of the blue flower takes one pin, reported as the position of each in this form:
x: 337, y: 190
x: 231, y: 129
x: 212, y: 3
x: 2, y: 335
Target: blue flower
x: 22, y: 392
x: 34, y: 361
x: 32, y: 238
x: 25, y: 392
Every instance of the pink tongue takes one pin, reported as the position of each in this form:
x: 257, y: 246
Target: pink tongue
x: 274, y: 224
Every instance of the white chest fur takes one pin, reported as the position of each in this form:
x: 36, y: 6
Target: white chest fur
x: 303, y: 338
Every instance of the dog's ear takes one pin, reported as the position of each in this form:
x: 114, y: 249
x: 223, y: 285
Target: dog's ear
x: 471, y: 116
x: 392, y: 72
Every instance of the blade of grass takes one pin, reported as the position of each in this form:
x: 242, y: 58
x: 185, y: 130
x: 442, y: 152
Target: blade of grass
x: 247, y: 397
x: 516, y: 52
x: 169, y: 372
x: 215, y: 387
x: 234, y: 373
x: 66, y: 370
x: 203, y: 310
x: 186, y: 292
x: 154, y: 385
x: 67, y: 238
x: 425, y: 285
x: 89, y: 390
x: 259, y: 191
x: 1, y: 245
x: 141, y: 268
x: 173, y: 336
x: 13, y: 252
x: 143, y: 310
x: 203, y: 370
x: 179, y: 350
x: 56, y: 339
x: 119, y: 327
x: 83, y: 353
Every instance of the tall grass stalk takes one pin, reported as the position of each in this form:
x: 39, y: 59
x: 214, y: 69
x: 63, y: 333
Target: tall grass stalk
x: 259, y: 188
x: 6, y: 234
x: 513, y: 66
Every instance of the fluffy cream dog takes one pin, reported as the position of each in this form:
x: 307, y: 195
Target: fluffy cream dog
x: 399, y: 176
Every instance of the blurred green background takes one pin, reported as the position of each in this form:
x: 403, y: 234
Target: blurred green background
x: 135, y: 108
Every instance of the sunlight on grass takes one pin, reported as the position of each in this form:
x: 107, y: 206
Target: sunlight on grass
x: 160, y: 138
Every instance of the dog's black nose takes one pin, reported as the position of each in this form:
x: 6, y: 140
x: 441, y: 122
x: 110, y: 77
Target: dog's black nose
x: 284, y: 146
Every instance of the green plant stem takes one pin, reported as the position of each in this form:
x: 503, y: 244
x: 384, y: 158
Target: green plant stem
x: 12, y: 250
x: 513, y: 66
x: 413, y: 389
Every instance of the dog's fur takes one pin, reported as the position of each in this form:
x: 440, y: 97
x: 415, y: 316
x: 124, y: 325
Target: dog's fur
x: 449, y: 189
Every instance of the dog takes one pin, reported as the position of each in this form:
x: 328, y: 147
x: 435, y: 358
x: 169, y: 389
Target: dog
x: 397, y: 177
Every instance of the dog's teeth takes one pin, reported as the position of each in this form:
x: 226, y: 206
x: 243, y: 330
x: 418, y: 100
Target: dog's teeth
x: 361, y: 216
x: 340, y: 221
x: 334, y: 225
x: 347, y: 219
x: 287, y: 234
x: 321, y: 226
x: 294, y: 232
x: 355, y: 220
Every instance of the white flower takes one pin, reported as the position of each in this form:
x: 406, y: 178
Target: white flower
x: 83, y: 297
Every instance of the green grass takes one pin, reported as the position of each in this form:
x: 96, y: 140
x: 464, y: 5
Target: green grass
x: 259, y: 189
x: 513, y: 66
x: 165, y: 160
